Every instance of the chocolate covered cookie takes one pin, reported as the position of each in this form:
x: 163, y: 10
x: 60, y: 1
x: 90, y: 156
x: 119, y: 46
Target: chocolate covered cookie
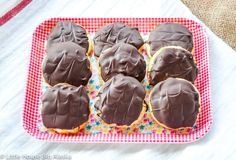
x: 172, y: 62
x: 65, y: 108
x: 113, y: 33
x: 66, y: 62
x: 175, y: 103
x: 120, y: 101
x: 169, y: 34
x: 65, y: 31
x: 122, y: 58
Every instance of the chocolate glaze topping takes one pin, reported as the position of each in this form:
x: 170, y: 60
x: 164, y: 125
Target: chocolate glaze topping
x: 172, y: 62
x: 175, y: 103
x: 120, y: 100
x: 122, y: 58
x: 170, y: 34
x: 113, y: 33
x: 65, y: 107
x: 66, y: 63
x: 66, y: 31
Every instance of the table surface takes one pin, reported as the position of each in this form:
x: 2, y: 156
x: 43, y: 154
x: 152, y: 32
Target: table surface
x: 15, y: 38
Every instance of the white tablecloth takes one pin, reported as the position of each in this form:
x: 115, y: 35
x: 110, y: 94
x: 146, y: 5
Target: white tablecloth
x: 15, y: 41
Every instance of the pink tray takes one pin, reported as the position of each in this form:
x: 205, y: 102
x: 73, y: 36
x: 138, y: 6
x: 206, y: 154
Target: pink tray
x: 148, y: 131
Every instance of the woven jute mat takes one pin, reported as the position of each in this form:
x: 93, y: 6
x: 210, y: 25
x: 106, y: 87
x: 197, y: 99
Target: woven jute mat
x: 218, y: 15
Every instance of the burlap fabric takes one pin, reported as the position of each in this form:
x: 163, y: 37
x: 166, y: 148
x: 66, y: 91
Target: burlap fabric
x: 219, y: 15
